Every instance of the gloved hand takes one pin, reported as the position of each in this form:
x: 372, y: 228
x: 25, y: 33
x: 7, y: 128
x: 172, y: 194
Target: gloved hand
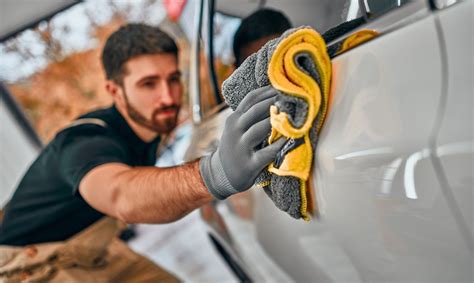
x: 236, y: 163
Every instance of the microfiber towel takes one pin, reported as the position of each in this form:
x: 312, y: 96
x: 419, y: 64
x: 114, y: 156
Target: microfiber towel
x: 298, y: 66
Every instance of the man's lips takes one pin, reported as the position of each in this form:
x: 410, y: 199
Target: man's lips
x: 167, y: 112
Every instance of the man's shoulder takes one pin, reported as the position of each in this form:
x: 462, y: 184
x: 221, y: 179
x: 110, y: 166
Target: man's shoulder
x: 95, y: 122
x: 85, y: 127
x: 100, y: 113
x: 94, y: 125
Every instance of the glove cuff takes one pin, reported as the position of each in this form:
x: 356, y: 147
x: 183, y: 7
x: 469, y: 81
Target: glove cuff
x: 214, y: 177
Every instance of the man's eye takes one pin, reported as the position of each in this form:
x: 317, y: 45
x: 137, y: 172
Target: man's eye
x: 175, y: 79
x: 149, y: 84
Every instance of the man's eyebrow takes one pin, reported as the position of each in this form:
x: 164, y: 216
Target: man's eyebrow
x: 157, y: 77
x: 151, y: 77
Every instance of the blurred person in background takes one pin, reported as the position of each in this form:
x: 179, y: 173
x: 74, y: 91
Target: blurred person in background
x: 62, y: 221
x: 257, y: 29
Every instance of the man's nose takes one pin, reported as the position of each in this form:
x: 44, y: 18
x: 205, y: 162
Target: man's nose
x: 165, y: 95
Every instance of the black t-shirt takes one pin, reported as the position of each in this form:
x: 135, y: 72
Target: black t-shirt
x: 47, y: 206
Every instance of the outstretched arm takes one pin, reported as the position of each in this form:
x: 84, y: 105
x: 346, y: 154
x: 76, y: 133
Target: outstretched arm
x: 145, y: 194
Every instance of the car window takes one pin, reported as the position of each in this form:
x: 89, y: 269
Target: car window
x: 362, y: 22
x: 368, y: 10
x: 379, y: 7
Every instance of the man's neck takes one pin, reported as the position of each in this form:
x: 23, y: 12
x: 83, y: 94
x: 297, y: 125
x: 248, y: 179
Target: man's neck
x: 143, y: 133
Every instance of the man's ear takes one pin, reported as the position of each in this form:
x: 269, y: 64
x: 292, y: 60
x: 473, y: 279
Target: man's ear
x: 112, y: 88
x: 116, y: 91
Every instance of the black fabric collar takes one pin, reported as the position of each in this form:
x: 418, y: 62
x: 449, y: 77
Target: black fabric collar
x: 118, y: 124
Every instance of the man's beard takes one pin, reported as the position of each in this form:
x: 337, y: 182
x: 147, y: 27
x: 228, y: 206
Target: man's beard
x: 160, y: 126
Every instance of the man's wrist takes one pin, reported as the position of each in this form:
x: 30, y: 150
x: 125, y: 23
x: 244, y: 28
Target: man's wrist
x: 214, y: 177
x: 200, y: 181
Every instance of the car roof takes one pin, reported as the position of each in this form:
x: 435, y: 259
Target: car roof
x: 18, y: 15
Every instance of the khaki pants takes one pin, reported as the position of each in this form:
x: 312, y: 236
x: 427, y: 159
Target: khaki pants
x: 93, y: 255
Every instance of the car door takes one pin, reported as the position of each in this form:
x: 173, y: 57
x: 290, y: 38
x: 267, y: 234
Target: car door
x: 379, y: 188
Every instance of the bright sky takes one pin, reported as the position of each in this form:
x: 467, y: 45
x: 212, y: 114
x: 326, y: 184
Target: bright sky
x: 73, y: 28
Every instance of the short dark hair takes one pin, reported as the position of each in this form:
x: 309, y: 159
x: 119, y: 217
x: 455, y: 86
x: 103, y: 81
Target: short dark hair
x: 133, y: 40
x: 262, y: 23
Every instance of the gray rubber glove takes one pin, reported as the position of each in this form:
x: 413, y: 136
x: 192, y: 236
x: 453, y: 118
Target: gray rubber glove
x: 237, y: 162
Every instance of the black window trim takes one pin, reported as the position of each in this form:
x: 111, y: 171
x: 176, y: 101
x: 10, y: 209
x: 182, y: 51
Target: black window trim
x: 20, y: 117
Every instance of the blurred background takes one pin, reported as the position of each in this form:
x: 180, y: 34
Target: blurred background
x: 53, y: 69
x: 52, y: 73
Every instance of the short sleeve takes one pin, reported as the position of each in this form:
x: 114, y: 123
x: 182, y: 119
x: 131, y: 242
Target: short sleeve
x: 82, y: 154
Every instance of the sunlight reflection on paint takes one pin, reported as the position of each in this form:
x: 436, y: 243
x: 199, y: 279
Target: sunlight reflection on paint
x: 409, y: 179
x: 389, y: 175
x: 448, y: 149
x: 362, y: 153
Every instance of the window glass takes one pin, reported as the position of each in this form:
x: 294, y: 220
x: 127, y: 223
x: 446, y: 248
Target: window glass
x: 353, y: 9
x: 223, y: 32
x: 379, y: 7
x: 357, y: 11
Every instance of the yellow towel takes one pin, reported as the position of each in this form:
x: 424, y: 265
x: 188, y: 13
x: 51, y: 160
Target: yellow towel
x: 285, y: 76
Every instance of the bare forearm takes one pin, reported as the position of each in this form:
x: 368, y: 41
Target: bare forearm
x: 159, y: 195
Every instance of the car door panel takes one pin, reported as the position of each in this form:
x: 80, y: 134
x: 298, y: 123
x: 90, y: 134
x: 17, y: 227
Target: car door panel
x: 377, y: 186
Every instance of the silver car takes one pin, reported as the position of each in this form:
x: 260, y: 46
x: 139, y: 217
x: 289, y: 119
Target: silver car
x: 393, y: 169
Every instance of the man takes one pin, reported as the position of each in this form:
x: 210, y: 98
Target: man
x: 102, y: 165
